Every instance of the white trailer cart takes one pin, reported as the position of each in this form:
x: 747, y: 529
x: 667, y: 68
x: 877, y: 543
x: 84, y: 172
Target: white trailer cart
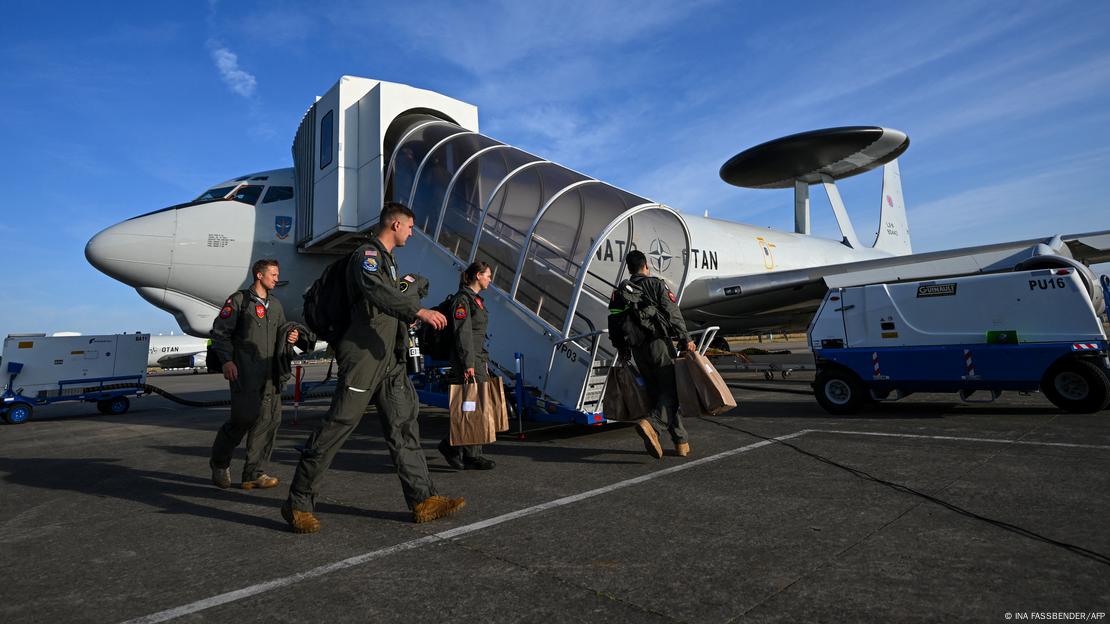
x: 1024, y: 330
x: 41, y: 369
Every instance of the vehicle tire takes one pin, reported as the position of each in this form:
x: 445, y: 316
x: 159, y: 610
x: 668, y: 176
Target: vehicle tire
x: 19, y: 413
x: 1076, y: 386
x: 839, y: 391
x: 116, y: 405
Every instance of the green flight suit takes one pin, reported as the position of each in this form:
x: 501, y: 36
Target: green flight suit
x: 654, y: 358
x: 246, y: 332
x: 370, y: 356
x: 468, y: 347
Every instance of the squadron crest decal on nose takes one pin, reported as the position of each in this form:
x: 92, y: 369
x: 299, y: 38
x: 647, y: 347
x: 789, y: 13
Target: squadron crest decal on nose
x: 282, y: 226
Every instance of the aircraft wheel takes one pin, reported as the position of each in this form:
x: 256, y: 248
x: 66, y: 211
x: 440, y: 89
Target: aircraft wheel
x: 839, y: 391
x: 117, y: 405
x: 1076, y: 386
x: 19, y: 413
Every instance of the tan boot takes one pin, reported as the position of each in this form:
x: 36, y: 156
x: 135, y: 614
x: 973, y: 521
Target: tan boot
x: 299, y: 521
x: 262, y: 482
x: 436, y: 507
x: 651, y: 439
x: 682, y: 449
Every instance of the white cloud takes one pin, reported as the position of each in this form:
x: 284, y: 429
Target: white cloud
x: 238, y: 80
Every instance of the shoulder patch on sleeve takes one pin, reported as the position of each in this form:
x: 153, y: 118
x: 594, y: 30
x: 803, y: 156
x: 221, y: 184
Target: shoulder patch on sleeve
x: 370, y: 264
x: 226, y: 311
x: 460, y: 312
x: 670, y: 295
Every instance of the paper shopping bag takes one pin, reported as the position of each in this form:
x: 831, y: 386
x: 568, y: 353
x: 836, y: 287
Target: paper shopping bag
x: 494, y: 390
x: 713, y: 392
x: 612, y: 404
x: 688, y: 402
x: 471, y: 422
x: 637, y: 401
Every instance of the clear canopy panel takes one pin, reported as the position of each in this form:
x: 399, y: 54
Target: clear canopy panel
x: 535, y: 222
x: 439, y: 168
x: 410, y: 153
x: 470, y: 194
x: 512, y: 209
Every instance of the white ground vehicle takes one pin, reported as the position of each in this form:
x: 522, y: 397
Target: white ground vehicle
x: 1024, y: 330
x: 41, y: 369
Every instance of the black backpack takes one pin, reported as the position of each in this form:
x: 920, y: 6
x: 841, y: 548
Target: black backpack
x: 436, y: 344
x: 632, y: 316
x: 327, y: 303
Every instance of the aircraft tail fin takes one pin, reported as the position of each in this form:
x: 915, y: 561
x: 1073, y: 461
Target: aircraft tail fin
x: 894, y: 230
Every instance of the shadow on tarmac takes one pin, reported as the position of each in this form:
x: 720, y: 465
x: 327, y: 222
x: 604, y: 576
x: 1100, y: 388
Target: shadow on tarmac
x: 165, y: 491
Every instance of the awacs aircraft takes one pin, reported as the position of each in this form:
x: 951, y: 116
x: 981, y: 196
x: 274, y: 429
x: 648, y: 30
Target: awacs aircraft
x: 555, y: 237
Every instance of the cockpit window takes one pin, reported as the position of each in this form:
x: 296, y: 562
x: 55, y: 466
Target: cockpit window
x: 248, y: 194
x: 216, y: 193
x: 278, y: 193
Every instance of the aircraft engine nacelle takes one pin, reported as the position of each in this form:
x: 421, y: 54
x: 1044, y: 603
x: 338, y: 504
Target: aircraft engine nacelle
x: 1053, y: 261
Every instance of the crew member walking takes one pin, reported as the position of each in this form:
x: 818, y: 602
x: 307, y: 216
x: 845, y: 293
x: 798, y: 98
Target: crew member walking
x: 655, y: 320
x: 371, y: 357
x: 245, y: 336
x: 469, y: 358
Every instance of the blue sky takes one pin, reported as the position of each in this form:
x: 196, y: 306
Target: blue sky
x: 109, y: 113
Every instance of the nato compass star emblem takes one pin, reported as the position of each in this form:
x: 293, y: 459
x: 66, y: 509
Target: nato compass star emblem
x: 659, y: 254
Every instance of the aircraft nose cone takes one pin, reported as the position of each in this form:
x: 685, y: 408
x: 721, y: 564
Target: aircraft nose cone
x: 138, y: 251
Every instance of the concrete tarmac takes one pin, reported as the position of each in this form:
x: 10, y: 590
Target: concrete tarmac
x: 922, y: 510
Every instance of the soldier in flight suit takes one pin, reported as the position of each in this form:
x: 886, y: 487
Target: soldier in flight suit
x: 371, y: 358
x: 653, y: 358
x: 469, y: 358
x: 245, y: 337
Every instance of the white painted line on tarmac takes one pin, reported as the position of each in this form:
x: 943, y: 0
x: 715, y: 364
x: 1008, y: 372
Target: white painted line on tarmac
x: 961, y: 439
x: 456, y: 532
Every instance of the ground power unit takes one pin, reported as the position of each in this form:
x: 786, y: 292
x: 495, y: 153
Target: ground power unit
x: 1023, y: 331
x: 40, y: 369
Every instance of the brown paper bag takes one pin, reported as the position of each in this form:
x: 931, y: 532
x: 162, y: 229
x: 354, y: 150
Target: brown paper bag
x: 713, y: 392
x: 471, y: 421
x: 612, y: 404
x: 688, y: 402
x: 637, y: 402
x: 499, y: 411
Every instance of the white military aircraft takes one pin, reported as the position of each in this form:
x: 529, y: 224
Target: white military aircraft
x: 177, y: 352
x: 187, y: 258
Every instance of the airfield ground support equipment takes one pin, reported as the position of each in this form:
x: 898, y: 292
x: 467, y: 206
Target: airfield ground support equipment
x: 41, y: 369
x: 1022, y: 330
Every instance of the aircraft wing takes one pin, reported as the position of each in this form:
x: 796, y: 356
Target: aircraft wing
x: 782, y: 300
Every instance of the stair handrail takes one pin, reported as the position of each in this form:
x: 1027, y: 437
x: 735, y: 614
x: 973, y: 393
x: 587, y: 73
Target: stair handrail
x: 707, y: 335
